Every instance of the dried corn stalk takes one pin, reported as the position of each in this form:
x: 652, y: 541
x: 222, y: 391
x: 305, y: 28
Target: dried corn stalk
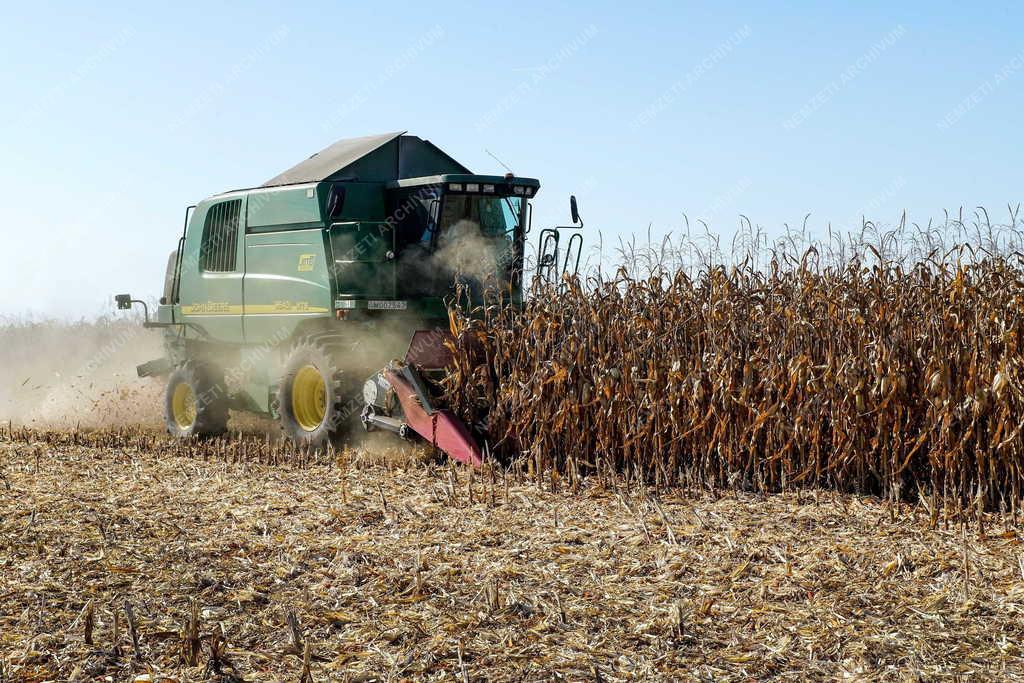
x: 890, y: 380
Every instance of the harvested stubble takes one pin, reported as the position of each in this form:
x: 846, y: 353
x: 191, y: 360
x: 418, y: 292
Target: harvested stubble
x: 903, y: 381
x: 235, y: 569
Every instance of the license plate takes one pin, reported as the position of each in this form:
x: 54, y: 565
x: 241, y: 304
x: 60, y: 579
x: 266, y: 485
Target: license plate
x: 387, y: 305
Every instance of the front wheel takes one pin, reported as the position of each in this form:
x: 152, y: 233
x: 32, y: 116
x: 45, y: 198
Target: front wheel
x: 196, y: 402
x: 311, y: 402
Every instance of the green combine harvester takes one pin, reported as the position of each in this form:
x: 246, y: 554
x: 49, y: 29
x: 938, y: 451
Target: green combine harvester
x: 322, y: 295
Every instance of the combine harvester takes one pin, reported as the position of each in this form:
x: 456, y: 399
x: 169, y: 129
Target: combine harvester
x: 284, y: 299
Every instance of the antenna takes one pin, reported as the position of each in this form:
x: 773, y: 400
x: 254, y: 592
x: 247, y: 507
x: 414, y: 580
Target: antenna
x: 494, y: 156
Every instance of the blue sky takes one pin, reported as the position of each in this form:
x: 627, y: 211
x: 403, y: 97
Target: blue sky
x: 116, y: 117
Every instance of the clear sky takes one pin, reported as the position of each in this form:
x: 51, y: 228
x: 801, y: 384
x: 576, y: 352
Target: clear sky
x: 118, y: 116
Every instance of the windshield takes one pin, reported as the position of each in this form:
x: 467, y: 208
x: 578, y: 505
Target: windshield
x: 462, y: 238
x: 476, y: 237
x: 495, y: 216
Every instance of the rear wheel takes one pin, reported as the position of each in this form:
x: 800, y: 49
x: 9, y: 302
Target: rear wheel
x: 311, y: 400
x: 196, y: 402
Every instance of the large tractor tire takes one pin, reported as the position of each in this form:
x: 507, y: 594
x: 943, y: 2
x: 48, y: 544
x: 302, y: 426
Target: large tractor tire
x: 196, y: 403
x: 311, y: 400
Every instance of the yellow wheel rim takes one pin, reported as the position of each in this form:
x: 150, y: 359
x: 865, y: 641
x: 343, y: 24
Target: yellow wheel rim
x: 183, y: 406
x: 309, y: 398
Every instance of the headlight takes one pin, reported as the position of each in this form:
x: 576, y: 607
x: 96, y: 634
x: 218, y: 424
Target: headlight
x: 455, y: 187
x: 472, y: 187
x: 519, y: 189
x: 489, y: 188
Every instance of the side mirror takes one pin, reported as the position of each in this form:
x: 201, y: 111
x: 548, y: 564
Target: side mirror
x: 574, y: 210
x: 124, y: 302
x: 336, y: 202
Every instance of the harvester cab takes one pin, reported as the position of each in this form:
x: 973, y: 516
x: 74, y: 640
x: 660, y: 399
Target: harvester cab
x: 287, y: 299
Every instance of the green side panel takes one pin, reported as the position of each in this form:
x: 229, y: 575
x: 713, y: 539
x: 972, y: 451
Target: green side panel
x: 287, y: 282
x: 165, y: 313
x: 280, y: 208
x: 211, y: 302
x: 364, y: 263
x: 363, y: 201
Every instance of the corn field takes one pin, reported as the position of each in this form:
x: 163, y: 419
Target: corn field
x: 898, y: 379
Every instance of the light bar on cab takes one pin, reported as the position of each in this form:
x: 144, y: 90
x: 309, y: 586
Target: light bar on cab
x: 491, y: 188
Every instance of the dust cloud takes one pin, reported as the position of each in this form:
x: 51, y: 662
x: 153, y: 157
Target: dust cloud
x: 464, y: 250
x: 464, y: 254
x: 56, y: 373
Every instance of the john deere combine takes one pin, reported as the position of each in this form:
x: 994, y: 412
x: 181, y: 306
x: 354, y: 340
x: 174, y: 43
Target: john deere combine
x: 287, y: 299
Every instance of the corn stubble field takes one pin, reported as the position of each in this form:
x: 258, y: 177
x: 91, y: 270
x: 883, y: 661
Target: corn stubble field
x: 124, y: 555
x: 806, y: 469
